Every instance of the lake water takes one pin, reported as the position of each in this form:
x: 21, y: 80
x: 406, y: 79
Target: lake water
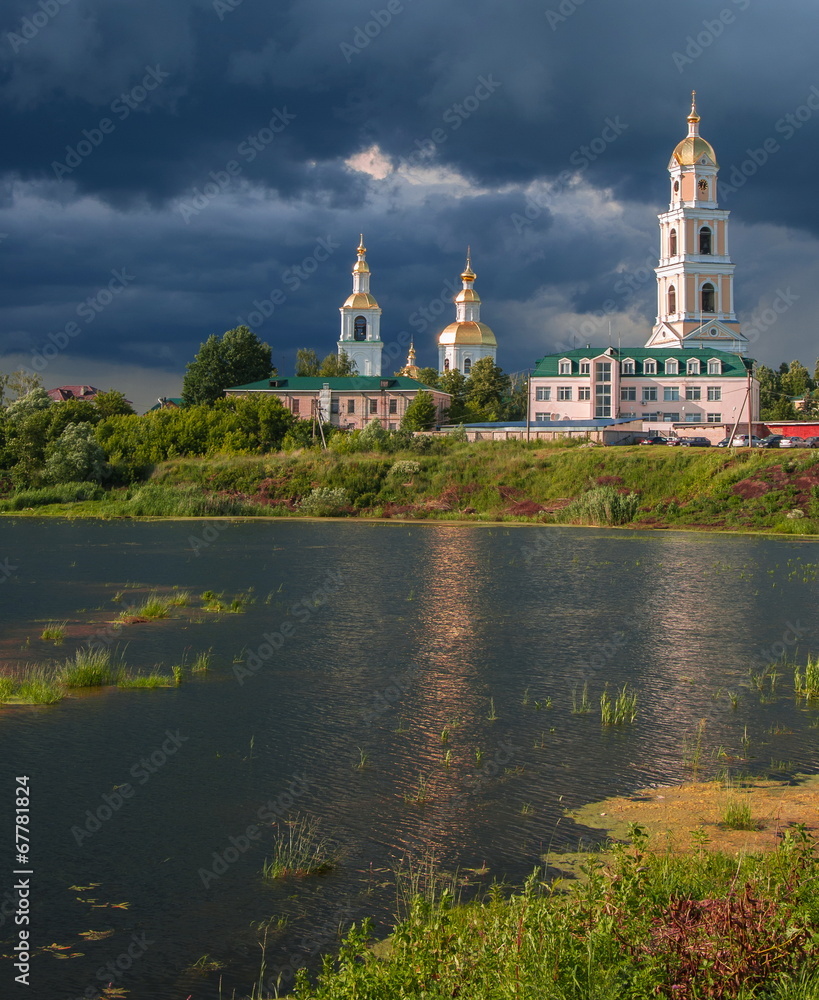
x: 387, y: 635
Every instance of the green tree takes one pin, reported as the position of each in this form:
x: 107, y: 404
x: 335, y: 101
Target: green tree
x: 76, y: 456
x: 112, y: 404
x: 515, y: 405
x: 769, y: 388
x: 338, y: 366
x: 782, y: 409
x: 430, y: 377
x: 19, y: 383
x: 238, y: 358
x: 421, y: 414
x: 307, y: 362
x: 796, y: 381
x: 33, y: 401
x: 454, y: 383
x: 486, y: 389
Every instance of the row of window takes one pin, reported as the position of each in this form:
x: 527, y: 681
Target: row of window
x: 705, y: 241
x: 370, y: 405
x: 467, y: 365
x: 667, y: 418
x: 543, y: 393
x: 628, y: 366
x: 708, y: 298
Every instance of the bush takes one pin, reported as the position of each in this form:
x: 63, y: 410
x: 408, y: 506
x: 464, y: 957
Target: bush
x: 325, y: 501
x: 63, y: 493
x: 604, y: 505
x: 406, y: 468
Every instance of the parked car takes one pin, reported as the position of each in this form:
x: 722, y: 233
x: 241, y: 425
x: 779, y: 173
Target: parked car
x: 652, y: 439
x: 812, y: 442
x: 792, y: 442
x: 771, y: 441
x: 741, y: 441
x: 723, y: 443
x: 694, y: 442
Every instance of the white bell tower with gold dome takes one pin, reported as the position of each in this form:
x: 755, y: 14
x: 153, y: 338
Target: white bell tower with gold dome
x: 361, y: 321
x: 467, y: 340
x: 695, y: 276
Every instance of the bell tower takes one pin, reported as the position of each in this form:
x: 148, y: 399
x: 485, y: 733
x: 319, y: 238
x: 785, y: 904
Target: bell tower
x: 695, y: 276
x: 361, y: 320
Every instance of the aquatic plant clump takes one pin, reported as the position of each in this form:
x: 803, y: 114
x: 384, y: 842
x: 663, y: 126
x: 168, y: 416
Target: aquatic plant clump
x: 90, y: 668
x: 301, y: 849
x: 806, y: 679
x: 620, y: 711
x: 603, y: 505
x: 54, y: 632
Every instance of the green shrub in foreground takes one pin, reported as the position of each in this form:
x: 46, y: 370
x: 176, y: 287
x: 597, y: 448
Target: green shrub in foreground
x: 603, y: 505
x: 639, y: 926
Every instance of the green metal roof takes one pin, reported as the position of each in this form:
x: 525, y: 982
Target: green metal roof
x: 343, y: 383
x: 733, y: 365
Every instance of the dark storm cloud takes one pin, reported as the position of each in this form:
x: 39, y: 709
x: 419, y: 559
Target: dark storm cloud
x: 146, y: 135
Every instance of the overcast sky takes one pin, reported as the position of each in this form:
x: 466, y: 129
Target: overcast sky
x: 170, y: 168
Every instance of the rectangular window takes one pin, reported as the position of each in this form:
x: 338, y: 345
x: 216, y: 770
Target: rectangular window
x: 693, y: 392
x: 543, y: 416
x: 671, y: 394
x: 714, y: 393
x: 714, y: 418
x: 294, y: 405
x: 564, y: 392
x: 602, y: 399
x: 671, y: 418
x: 585, y: 367
x: 627, y: 368
x: 649, y: 394
x: 693, y: 418
x: 373, y: 406
x: 584, y: 392
x: 628, y: 393
x: 649, y: 367
x: 393, y: 406
x: 565, y: 368
x: 333, y: 406
x: 651, y: 417
x: 543, y: 393
x: 603, y: 369
x: 351, y: 406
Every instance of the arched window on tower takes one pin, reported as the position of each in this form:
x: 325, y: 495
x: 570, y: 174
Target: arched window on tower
x: 672, y: 299
x: 360, y: 328
x: 705, y: 240
x: 672, y: 244
x: 467, y: 366
x: 702, y: 185
x: 708, y: 298
x: 446, y: 364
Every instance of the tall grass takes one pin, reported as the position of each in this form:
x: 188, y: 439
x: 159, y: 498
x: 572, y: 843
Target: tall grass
x: 603, y: 505
x: 806, y: 679
x: 737, y: 815
x: 54, y: 632
x: 90, y: 668
x: 581, y: 705
x: 40, y: 686
x: 301, y: 849
x: 620, y: 711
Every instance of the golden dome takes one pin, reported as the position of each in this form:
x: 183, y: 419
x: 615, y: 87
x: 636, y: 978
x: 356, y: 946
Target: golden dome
x: 692, y: 149
x: 360, y: 300
x: 467, y: 295
x: 361, y: 267
x: 473, y: 334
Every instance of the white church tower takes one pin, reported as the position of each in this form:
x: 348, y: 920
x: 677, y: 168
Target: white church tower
x: 695, y: 276
x: 361, y: 321
x: 467, y: 340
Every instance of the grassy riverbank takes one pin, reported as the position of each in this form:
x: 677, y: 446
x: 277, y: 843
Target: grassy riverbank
x: 638, y: 924
x: 728, y: 489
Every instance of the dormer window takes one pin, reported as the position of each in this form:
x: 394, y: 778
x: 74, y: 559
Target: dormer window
x: 672, y: 299
x: 627, y: 366
x: 709, y: 294
x: 672, y: 243
x: 705, y: 240
x: 672, y: 367
x: 692, y: 367
x: 649, y: 366
x: 565, y: 367
x: 714, y: 366
x: 585, y: 366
